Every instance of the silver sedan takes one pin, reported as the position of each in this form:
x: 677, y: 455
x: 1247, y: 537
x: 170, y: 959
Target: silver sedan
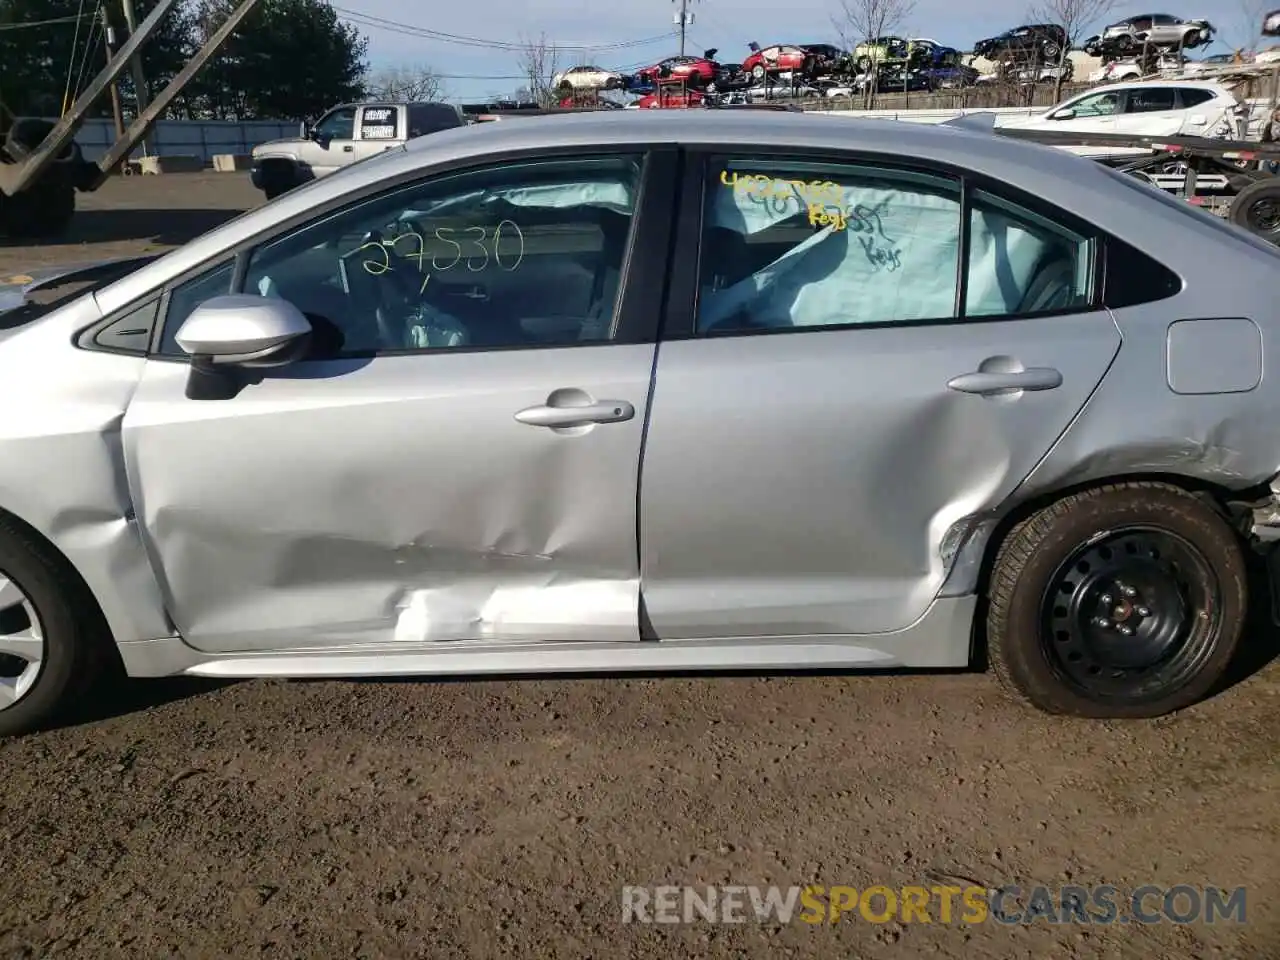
x: 662, y: 390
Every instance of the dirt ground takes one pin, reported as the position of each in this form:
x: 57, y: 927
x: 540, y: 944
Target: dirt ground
x: 501, y: 818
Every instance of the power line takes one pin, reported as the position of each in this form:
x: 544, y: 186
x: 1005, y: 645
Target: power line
x: 25, y: 25
x: 382, y: 23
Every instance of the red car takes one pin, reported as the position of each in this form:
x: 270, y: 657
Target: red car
x: 697, y: 71
x: 775, y: 59
x: 670, y: 99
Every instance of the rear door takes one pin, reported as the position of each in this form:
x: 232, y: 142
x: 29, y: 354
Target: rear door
x: 834, y: 396
x: 1151, y: 111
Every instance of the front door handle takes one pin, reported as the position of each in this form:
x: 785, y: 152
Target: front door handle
x: 993, y: 382
x: 602, y: 411
x: 349, y: 148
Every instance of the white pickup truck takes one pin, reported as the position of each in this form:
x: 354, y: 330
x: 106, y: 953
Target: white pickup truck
x: 1149, y: 108
x: 347, y: 133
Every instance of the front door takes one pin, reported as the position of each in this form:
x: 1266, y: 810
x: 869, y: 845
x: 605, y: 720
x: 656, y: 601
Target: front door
x: 332, y: 144
x: 826, y: 422
x: 459, y: 459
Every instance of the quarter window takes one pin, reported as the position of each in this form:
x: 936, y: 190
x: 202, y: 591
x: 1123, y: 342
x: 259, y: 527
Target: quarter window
x: 1194, y: 96
x: 1021, y: 264
x: 819, y: 245
x: 524, y: 255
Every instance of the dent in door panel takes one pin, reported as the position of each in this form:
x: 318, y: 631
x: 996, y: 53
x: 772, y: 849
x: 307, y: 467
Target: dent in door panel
x: 806, y: 483
x: 396, y: 501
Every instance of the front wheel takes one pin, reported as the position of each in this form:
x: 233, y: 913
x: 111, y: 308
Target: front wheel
x: 757, y: 72
x: 1123, y: 601
x: 49, y: 634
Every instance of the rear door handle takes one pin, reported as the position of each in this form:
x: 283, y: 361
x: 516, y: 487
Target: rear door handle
x: 348, y: 149
x: 603, y: 411
x: 1033, y: 378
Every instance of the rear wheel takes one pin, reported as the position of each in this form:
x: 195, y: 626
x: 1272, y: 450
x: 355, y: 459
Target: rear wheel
x: 1121, y: 601
x: 49, y: 634
x: 1257, y: 209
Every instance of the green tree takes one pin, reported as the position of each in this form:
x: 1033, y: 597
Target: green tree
x: 51, y: 49
x: 289, y: 59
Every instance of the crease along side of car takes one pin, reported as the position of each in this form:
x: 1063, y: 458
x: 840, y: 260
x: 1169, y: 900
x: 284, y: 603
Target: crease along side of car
x: 856, y: 419
x: 482, y: 525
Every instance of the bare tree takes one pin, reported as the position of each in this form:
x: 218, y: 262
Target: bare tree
x: 1248, y: 26
x: 409, y: 83
x: 868, y: 21
x: 1075, y: 17
x: 539, y: 63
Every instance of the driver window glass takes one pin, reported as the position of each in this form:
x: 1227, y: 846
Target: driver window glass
x: 338, y: 125
x: 187, y: 296
x: 1102, y: 105
x: 523, y: 255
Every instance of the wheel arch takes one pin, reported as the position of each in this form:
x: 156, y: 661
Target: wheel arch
x: 84, y: 600
x: 109, y: 565
x: 1219, y: 497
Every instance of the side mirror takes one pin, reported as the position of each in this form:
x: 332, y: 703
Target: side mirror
x: 1066, y: 114
x: 304, y: 131
x: 245, y: 330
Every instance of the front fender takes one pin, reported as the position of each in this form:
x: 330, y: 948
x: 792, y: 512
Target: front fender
x: 62, y: 466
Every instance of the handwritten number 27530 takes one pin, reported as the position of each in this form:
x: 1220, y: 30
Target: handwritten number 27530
x: 469, y: 246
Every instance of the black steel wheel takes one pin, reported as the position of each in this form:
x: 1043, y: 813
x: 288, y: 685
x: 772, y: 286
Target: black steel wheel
x: 1257, y: 209
x: 1119, y: 601
x: 1136, y: 609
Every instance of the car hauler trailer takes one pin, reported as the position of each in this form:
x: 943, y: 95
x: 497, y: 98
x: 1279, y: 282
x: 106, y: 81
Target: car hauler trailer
x: 1237, y: 173
x: 41, y: 165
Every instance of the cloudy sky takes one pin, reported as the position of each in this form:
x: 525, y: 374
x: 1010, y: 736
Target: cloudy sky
x: 630, y: 34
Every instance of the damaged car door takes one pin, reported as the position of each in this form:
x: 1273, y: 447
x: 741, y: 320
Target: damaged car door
x: 457, y: 456
x: 865, y: 395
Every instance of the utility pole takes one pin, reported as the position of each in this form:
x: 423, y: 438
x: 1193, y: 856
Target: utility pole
x: 139, y: 78
x: 109, y: 32
x: 682, y: 20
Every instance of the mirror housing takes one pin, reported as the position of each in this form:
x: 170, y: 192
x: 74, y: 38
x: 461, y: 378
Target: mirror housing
x: 245, y: 330
x: 1066, y: 114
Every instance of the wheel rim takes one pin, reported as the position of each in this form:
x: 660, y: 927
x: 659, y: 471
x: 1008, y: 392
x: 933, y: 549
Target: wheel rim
x: 1131, y: 615
x: 1263, y: 215
x: 21, y: 643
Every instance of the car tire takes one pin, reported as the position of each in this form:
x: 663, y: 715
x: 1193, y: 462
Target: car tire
x: 1256, y: 208
x: 1149, y: 558
x: 757, y: 72
x: 40, y: 591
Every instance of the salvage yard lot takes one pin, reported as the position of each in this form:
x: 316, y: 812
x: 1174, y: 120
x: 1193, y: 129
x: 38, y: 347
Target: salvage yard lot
x: 503, y: 817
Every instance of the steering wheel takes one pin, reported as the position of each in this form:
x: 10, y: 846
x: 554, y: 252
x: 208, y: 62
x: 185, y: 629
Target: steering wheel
x: 371, y: 288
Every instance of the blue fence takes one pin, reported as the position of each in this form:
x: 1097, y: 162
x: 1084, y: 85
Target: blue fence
x: 199, y: 138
